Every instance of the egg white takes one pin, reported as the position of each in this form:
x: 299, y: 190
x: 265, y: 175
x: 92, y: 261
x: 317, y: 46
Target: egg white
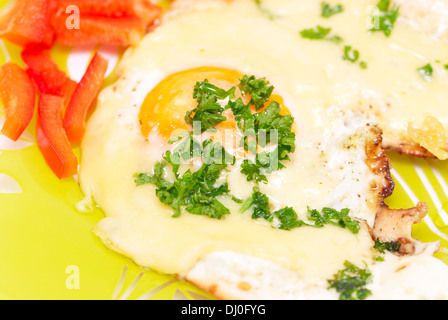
x: 322, y: 172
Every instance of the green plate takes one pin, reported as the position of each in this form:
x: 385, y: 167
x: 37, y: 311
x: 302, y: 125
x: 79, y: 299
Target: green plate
x: 48, y: 250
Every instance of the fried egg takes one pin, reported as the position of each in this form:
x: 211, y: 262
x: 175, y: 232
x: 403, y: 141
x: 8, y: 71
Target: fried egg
x: 338, y: 162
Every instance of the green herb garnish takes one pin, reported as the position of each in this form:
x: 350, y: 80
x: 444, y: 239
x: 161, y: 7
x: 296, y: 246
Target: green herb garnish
x: 328, y: 11
x: 351, y: 282
x: 253, y: 172
x: 382, y: 247
x: 288, y: 219
x: 426, y: 72
x: 335, y: 38
x: 260, y: 204
x: 196, y: 192
x: 350, y: 55
x: 353, y: 56
x: 259, y: 89
x: 208, y: 111
x: 386, y: 19
x: 333, y: 217
x: 318, y: 33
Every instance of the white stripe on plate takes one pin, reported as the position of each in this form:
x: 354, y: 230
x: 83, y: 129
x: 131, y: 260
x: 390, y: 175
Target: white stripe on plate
x: 415, y: 200
x: 432, y: 192
x: 440, y: 178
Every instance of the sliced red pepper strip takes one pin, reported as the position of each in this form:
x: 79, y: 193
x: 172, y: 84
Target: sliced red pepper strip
x: 52, y: 139
x: 18, y: 95
x: 26, y: 22
x: 46, y: 73
x: 93, y: 30
x: 83, y: 98
x: 49, y: 35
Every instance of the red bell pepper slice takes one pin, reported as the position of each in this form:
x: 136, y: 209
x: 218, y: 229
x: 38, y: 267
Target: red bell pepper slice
x: 46, y: 73
x: 126, y: 31
x: 83, y: 98
x: 52, y: 139
x: 18, y: 95
x: 26, y: 22
x: 50, y: 35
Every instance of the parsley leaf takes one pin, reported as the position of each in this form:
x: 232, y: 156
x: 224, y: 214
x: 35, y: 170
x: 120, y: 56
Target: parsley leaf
x: 288, y: 219
x: 253, y: 172
x: 260, y: 204
x: 196, y: 192
x: 351, y: 282
x: 335, y: 38
x: 386, y: 19
x: 350, y: 55
x: 259, y: 89
x: 426, y: 72
x: 328, y: 11
x: 243, y: 115
x: 208, y: 112
x: 271, y: 126
x: 353, y: 56
x: 333, y: 217
x: 387, y: 246
x: 319, y: 33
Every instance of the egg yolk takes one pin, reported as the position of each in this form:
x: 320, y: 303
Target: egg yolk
x: 165, y: 107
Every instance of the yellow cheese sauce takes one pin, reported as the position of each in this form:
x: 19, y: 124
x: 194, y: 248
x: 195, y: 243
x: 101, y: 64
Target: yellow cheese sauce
x: 331, y: 100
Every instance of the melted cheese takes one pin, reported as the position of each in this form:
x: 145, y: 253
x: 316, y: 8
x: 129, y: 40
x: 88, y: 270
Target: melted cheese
x: 326, y: 95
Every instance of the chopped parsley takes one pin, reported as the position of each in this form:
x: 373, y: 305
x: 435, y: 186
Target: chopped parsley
x: 382, y: 247
x: 351, y: 282
x: 328, y: 11
x: 335, y: 39
x: 334, y: 217
x: 386, y: 19
x: 253, y: 172
x: 208, y: 111
x: 318, y: 33
x: 288, y: 219
x: 260, y: 204
x: 426, y: 72
x: 259, y: 89
x: 196, y: 192
x: 262, y: 128
x: 352, y: 56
